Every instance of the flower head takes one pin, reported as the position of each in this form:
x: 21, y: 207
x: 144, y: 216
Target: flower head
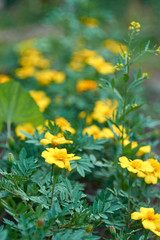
x: 59, y: 157
x: 54, y: 140
x: 26, y: 127
x: 115, y: 47
x: 92, y: 130
x: 84, y: 85
x: 4, y: 78
x: 41, y: 99
x: 152, y: 177
x: 148, y: 217
x: 135, y: 26
x: 63, y: 124
x: 136, y: 166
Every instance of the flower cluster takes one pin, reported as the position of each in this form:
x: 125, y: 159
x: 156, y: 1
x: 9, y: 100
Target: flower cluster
x: 135, y: 26
x: 56, y: 156
x: 115, y: 47
x: 41, y: 99
x: 149, y: 219
x: 85, y: 56
x: 84, y: 85
x: 34, y: 64
x: 4, y: 78
x: 149, y: 169
x: 103, y: 109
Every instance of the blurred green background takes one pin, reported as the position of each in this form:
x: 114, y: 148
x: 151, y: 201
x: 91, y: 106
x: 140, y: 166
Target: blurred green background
x: 57, y: 24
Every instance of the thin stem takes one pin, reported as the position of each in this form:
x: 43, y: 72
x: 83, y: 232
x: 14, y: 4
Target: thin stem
x: 53, y: 190
x: 8, y: 129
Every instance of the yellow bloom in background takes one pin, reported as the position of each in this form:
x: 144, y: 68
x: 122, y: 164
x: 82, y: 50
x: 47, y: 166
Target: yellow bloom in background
x: 41, y: 99
x: 92, y: 130
x: 25, y: 72
x: 148, y: 217
x: 84, y: 85
x: 63, y: 124
x: 142, y: 150
x: 136, y: 166
x: 79, y: 59
x: 4, y: 78
x: 26, y: 127
x: 135, y: 26
x: 59, y: 157
x: 89, y: 22
x: 82, y: 114
x: 44, y: 77
x: 58, y: 77
x: 152, y: 177
x: 54, y: 140
x: 121, y: 132
x: 115, y: 47
x: 47, y: 76
x: 99, y: 63
x: 106, y: 133
x: 104, y: 109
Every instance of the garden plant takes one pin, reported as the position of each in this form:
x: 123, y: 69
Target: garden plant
x: 76, y: 145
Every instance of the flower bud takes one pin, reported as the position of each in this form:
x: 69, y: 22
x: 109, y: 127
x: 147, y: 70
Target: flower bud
x: 10, y: 158
x: 11, y: 142
x: 40, y: 222
x: 112, y: 230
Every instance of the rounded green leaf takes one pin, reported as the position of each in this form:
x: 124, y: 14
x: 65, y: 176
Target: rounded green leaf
x: 17, y: 106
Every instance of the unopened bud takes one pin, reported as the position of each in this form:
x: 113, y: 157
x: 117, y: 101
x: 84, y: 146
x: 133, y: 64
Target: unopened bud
x: 10, y: 158
x: 40, y: 222
x: 11, y: 141
x: 112, y: 230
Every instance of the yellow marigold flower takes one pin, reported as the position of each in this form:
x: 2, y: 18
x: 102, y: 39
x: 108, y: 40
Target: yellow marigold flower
x: 149, y: 218
x: 152, y: 177
x: 89, y: 22
x: 92, y: 130
x: 82, y: 114
x: 26, y: 127
x: 142, y: 150
x: 135, y: 26
x: 84, y: 85
x: 106, y: 133
x: 58, y: 77
x: 54, y: 140
x: 104, y: 109
x: 25, y: 72
x: 115, y: 47
x: 41, y: 99
x: 63, y: 124
x: 76, y: 66
x: 4, y: 78
x: 136, y: 166
x: 59, y: 157
x: 98, y: 62
x: 44, y: 77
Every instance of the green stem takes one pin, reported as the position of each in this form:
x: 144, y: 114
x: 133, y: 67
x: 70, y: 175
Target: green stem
x: 55, y: 174
x: 8, y: 129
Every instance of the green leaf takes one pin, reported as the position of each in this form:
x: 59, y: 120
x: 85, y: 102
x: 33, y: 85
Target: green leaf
x: 17, y: 106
